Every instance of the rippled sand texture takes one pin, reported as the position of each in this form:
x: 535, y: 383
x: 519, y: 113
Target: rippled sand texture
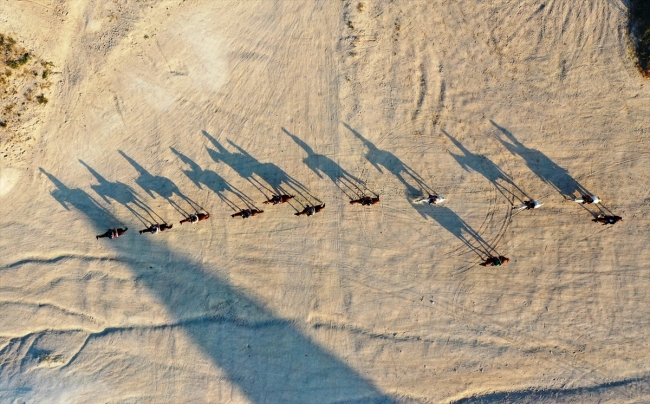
x: 161, y: 108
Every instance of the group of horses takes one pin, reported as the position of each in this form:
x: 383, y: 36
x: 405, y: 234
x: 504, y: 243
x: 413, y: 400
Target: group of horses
x: 364, y: 200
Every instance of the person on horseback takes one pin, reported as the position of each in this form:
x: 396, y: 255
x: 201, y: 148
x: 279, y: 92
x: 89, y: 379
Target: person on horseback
x: 113, y: 233
x: 495, y: 261
x: 587, y: 199
x: 195, y: 218
x: 156, y: 228
x: 277, y: 199
x: 246, y: 213
x: 606, y: 219
x: 311, y: 210
x: 365, y: 201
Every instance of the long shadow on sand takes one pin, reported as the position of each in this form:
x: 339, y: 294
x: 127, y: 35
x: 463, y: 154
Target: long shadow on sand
x: 476, y: 162
x: 542, y: 166
x: 391, y: 163
x: 268, y: 178
x: 214, y: 182
x: 454, y: 224
x: 270, y: 360
x: 125, y: 196
x: 162, y: 186
x: 322, y: 165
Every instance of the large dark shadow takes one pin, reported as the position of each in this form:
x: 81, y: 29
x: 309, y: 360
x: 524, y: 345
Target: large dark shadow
x: 476, y: 162
x: 542, y: 166
x: 214, y: 182
x: 454, y: 224
x: 268, y: 178
x: 322, y: 165
x: 125, y: 196
x: 269, y: 359
x: 391, y: 163
x: 162, y: 186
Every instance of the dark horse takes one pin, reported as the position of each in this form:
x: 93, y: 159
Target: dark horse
x: 246, y: 213
x: 113, y: 233
x: 310, y: 210
x: 365, y: 201
x: 195, y: 218
x: 606, y: 219
x: 156, y: 228
x: 276, y: 199
x: 495, y: 261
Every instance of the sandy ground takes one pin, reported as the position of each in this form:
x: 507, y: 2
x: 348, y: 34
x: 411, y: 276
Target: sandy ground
x: 162, y: 107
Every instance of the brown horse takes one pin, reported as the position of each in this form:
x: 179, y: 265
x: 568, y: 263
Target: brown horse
x: 310, y: 210
x: 606, y: 219
x: 365, y: 201
x: 195, y: 218
x: 277, y: 199
x: 113, y: 233
x: 156, y: 228
x: 246, y: 213
x: 495, y: 261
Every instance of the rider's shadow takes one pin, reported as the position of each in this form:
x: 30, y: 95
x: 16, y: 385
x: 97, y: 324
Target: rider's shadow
x: 162, y: 186
x: 476, y: 162
x: 124, y: 195
x: 80, y: 200
x: 542, y: 166
x: 454, y: 224
x: 382, y: 158
x: 214, y: 182
x: 268, y: 178
x: 324, y: 166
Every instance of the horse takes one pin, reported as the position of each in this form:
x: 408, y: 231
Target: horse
x: 246, y: 213
x: 431, y: 199
x: 606, y: 219
x: 528, y: 205
x: 277, y: 199
x: 195, y: 218
x: 495, y: 261
x: 310, y: 210
x: 113, y: 233
x: 156, y: 228
x: 587, y: 199
x: 365, y: 201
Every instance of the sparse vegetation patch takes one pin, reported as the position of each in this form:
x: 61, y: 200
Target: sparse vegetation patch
x: 639, y: 29
x: 24, y: 84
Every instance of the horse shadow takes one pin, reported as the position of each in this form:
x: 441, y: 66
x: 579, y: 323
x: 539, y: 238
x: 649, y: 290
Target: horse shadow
x: 125, y: 196
x: 214, y: 182
x: 324, y: 166
x: 268, y: 178
x: 541, y: 165
x: 269, y: 359
x: 478, y: 163
x: 455, y: 225
x: 162, y: 186
x: 382, y: 158
x: 80, y: 200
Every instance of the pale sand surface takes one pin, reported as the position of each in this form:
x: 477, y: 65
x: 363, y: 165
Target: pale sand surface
x: 481, y: 101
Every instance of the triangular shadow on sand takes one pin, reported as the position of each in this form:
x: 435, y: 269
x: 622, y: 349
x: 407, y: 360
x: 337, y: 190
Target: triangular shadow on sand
x: 266, y: 356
